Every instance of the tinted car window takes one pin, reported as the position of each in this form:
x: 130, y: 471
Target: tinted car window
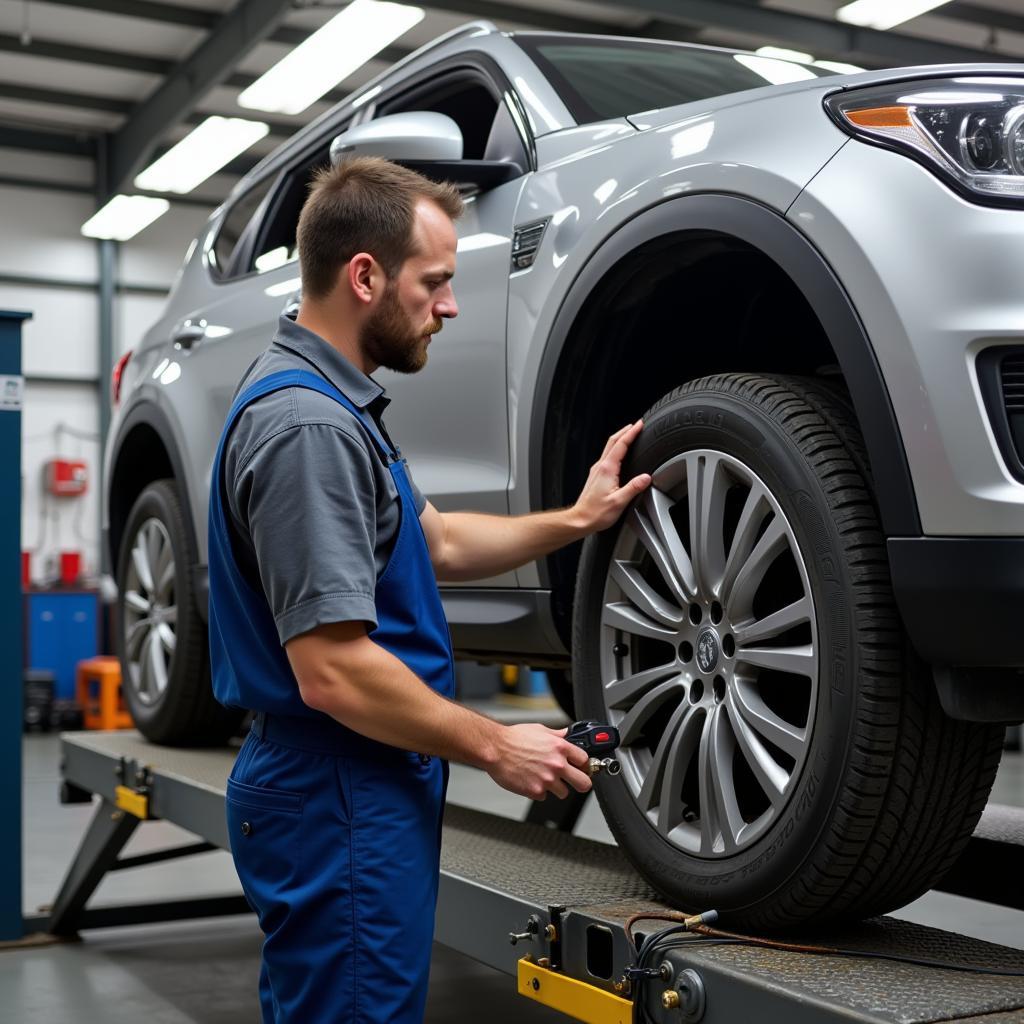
x: 276, y: 243
x: 235, y: 223
x: 599, y: 79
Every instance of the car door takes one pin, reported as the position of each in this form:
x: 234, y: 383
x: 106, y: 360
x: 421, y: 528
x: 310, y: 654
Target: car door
x: 451, y: 418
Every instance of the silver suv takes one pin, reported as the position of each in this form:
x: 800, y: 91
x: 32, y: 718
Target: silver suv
x: 809, y: 629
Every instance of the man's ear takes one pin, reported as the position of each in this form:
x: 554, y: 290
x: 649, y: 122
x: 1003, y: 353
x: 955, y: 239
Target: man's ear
x: 361, y: 272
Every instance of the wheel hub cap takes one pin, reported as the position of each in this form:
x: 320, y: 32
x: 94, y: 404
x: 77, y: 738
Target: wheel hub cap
x: 708, y: 650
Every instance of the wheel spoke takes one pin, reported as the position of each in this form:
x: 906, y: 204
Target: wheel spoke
x: 165, y: 581
x: 748, y: 705
x: 720, y: 747
x: 136, y: 635
x: 154, y: 542
x: 748, y: 579
x: 167, y: 637
x: 157, y: 666
x: 707, y: 513
x: 633, y: 722
x: 772, y: 625
x: 652, y: 786
x: 754, y: 510
x: 654, y: 527
x: 715, y: 832
x: 684, y: 746
x: 771, y: 776
x: 163, y: 567
x: 640, y: 592
x: 145, y: 667
x: 798, y: 661
x: 136, y: 602
x: 624, y: 692
x: 140, y: 560
x: 625, y: 617
x: 171, y: 613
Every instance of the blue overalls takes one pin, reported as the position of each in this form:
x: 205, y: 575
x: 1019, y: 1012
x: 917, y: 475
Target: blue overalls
x: 335, y: 837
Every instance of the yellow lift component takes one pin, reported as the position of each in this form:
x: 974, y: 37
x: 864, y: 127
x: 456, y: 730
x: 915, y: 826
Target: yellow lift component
x: 132, y: 802
x: 573, y: 998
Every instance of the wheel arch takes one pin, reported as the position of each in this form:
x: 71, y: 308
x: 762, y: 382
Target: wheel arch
x: 143, y: 453
x: 686, y: 231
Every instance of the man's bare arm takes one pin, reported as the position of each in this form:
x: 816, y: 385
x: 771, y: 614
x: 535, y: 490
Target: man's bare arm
x: 343, y: 673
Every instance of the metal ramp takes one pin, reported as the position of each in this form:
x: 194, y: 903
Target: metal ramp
x: 568, y: 899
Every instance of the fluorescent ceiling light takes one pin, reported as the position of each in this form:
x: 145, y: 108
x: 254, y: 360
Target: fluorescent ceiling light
x: 780, y: 53
x: 839, y: 67
x: 778, y: 72
x: 330, y: 55
x: 124, y: 217
x: 204, y: 151
x: 885, y: 13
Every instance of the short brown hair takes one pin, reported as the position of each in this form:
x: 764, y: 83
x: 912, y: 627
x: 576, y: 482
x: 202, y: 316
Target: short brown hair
x: 364, y: 204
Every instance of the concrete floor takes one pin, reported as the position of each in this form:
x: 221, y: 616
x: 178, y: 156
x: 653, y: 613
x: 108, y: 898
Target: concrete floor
x: 205, y: 972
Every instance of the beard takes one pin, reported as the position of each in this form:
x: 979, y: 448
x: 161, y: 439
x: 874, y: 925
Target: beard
x: 391, y: 340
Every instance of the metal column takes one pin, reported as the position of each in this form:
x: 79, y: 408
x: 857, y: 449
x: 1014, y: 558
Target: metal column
x: 11, y: 386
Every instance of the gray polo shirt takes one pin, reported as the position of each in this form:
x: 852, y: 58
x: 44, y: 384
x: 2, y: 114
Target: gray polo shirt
x: 313, y: 509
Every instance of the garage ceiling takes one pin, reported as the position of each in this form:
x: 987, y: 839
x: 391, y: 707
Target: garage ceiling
x: 122, y: 80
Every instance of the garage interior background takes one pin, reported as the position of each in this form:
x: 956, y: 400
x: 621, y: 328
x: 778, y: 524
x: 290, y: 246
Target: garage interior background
x: 92, y: 90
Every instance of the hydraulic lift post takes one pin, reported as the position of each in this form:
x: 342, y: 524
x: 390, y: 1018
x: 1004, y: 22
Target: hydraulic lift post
x: 11, y: 385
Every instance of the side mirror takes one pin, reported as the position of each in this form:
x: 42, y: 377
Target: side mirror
x: 424, y: 141
x: 421, y: 136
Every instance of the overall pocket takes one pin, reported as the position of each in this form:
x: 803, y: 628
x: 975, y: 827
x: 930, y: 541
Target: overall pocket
x: 265, y: 829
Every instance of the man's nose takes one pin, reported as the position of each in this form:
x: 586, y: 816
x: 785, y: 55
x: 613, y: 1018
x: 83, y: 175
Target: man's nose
x: 446, y: 306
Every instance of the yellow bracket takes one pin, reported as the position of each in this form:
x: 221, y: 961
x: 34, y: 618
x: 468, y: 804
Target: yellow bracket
x: 574, y: 998
x: 134, y: 803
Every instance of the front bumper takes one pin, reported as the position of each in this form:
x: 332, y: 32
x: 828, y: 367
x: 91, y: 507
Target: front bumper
x: 962, y: 598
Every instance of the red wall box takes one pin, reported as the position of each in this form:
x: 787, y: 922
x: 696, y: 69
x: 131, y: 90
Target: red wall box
x: 67, y: 477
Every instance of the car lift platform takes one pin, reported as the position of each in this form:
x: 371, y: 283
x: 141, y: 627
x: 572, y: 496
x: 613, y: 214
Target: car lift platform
x: 566, y: 900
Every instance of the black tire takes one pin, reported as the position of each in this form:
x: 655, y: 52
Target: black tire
x: 884, y: 790
x: 182, y: 712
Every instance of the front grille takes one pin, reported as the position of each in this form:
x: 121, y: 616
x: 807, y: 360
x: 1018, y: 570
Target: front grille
x: 1011, y: 374
x: 1001, y: 376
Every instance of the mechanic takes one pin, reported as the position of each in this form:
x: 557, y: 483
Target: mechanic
x: 326, y: 620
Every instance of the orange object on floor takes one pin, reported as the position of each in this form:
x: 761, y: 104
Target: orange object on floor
x: 98, y: 692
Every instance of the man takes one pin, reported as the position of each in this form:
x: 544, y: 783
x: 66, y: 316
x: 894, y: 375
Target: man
x: 325, y: 616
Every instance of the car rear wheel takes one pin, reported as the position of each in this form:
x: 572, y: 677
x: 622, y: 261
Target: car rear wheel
x: 161, y: 636
x: 785, y: 757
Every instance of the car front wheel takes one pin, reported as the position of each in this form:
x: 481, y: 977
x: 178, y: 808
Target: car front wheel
x: 784, y: 755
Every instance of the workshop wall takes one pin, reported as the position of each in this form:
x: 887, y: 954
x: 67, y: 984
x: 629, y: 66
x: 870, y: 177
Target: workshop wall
x: 48, y: 268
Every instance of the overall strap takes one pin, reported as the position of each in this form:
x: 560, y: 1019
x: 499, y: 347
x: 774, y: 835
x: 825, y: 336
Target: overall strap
x: 311, y: 381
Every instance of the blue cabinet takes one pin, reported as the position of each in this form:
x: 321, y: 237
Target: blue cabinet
x: 63, y: 628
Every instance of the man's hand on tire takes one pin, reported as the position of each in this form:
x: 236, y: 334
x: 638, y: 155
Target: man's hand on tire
x: 602, y: 500
x: 534, y: 760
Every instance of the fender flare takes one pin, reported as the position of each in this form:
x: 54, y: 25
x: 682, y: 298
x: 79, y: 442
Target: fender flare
x: 149, y: 414
x: 773, y: 235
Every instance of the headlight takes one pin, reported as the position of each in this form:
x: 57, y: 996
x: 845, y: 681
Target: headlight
x: 970, y: 131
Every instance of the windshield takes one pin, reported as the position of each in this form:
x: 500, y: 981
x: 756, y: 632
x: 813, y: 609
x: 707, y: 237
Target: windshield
x: 599, y: 79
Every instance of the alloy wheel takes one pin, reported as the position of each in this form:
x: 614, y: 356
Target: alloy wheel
x: 709, y: 654
x: 149, y: 611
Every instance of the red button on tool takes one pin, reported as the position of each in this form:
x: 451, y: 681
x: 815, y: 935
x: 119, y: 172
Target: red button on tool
x: 602, y: 737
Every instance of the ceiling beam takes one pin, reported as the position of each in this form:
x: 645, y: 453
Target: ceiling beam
x: 65, y: 143
x: 86, y: 55
x: 149, y: 10
x: 247, y: 24
x: 983, y: 17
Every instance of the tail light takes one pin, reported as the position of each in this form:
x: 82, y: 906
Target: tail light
x: 115, y: 380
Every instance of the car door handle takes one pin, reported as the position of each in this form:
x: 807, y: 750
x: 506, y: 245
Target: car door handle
x: 188, y: 334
